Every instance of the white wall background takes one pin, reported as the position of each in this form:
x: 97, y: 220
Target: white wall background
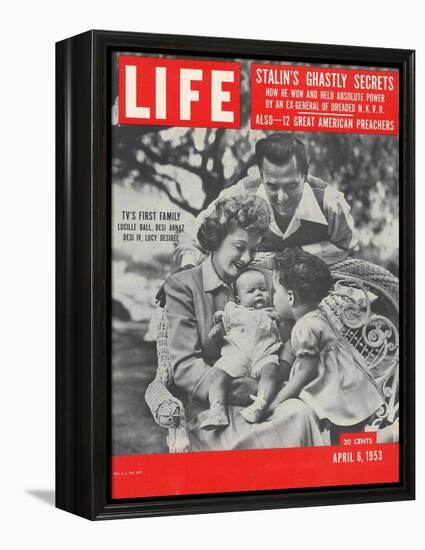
x: 28, y: 33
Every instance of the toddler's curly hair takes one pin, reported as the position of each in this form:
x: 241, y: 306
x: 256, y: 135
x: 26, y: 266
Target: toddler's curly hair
x: 306, y: 275
x: 244, y: 210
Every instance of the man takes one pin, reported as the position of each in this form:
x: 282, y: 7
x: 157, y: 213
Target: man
x: 305, y: 210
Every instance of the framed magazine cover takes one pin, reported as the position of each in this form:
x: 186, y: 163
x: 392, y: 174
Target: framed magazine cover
x: 235, y: 274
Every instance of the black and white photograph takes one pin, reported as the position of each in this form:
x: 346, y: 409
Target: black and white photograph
x: 211, y: 236
x: 255, y: 284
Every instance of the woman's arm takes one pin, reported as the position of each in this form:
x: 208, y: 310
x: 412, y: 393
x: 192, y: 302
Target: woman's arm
x: 184, y: 346
x: 191, y: 373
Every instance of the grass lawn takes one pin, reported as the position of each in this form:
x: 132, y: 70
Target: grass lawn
x: 133, y: 368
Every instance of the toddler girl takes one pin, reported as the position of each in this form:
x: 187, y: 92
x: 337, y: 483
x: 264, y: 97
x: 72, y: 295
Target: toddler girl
x: 328, y: 374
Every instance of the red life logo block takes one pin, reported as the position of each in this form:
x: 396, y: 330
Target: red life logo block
x: 179, y: 92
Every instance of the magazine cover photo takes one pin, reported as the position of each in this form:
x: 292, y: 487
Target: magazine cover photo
x: 254, y: 275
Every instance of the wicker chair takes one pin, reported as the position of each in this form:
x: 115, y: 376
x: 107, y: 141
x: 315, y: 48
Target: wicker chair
x: 363, y: 306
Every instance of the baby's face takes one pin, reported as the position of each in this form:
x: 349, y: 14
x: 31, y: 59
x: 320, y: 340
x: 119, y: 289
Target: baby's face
x: 252, y: 290
x: 281, y: 298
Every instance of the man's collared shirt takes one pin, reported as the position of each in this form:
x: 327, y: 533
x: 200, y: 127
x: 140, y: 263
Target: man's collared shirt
x: 307, y: 210
x: 334, y: 217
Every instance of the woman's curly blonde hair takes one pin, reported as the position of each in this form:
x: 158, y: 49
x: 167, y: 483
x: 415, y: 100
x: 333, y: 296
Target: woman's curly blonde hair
x: 243, y: 210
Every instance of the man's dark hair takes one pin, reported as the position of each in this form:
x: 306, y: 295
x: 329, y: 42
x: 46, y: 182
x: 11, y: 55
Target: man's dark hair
x: 279, y: 149
x: 306, y: 275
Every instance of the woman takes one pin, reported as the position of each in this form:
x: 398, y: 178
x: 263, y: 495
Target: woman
x: 230, y: 232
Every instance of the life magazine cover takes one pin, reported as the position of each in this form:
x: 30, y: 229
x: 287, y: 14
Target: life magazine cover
x: 255, y: 256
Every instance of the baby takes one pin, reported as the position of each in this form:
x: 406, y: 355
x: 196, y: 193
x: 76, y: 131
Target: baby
x: 327, y: 374
x: 251, y: 346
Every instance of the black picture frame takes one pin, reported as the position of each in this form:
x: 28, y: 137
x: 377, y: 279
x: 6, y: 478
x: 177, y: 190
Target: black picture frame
x: 83, y: 309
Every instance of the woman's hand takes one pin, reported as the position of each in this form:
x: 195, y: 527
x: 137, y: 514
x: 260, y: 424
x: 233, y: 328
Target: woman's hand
x: 240, y: 389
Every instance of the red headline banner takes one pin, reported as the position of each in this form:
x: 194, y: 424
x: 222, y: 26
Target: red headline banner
x: 317, y: 99
x: 358, y: 460
x: 178, y: 92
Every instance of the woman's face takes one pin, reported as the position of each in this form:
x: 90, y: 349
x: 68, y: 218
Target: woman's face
x: 234, y: 254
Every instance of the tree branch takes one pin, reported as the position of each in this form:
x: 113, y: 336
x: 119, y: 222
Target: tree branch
x: 158, y: 181
x: 165, y: 159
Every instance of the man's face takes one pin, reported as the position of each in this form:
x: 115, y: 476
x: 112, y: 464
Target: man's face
x: 284, y: 186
